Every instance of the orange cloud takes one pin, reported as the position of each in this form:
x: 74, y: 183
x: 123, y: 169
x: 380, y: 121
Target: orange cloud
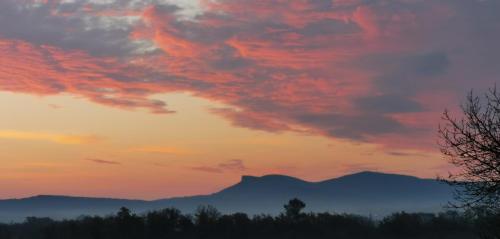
x: 55, y: 138
x: 233, y: 165
x: 160, y: 150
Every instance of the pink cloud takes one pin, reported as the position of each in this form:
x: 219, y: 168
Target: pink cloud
x: 372, y: 72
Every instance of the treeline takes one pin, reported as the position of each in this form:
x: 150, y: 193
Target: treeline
x: 207, y: 222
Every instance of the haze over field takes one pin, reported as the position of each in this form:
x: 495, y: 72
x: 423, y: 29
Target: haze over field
x: 163, y: 98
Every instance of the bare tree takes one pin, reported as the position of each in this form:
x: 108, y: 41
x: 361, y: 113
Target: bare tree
x: 472, y: 143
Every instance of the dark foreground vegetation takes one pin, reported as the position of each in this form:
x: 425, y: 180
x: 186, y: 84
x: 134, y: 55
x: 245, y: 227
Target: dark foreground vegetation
x: 207, y: 222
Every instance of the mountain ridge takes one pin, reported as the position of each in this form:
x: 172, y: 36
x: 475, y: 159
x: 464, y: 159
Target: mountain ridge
x: 365, y: 192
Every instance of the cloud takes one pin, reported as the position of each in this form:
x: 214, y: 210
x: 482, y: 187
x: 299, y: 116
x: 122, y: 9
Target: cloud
x: 233, y: 165
x: 101, y: 161
x: 207, y: 169
x: 387, y: 104
x: 84, y: 25
x: 411, y: 73
x: 406, y: 154
x: 251, y: 120
x: 159, y: 150
x: 46, y: 70
x: 365, y: 71
x: 54, y: 106
x: 50, y: 137
x: 357, y: 127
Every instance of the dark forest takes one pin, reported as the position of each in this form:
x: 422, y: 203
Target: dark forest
x: 208, y: 222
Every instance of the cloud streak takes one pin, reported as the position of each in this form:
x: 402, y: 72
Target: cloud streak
x: 50, y: 137
x: 101, y: 161
x: 233, y: 165
x: 160, y: 150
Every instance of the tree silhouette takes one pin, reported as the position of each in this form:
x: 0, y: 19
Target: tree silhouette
x: 124, y: 213
x: 472, y: 143
x: 207, y: 215
x: 208, y: 223
x: 164, y: 223
x: 206, y: 218
x: 128, y: 225
x: 293, y: 208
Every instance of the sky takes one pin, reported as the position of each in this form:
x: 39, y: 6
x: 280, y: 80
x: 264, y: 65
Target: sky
x: 154, y: 98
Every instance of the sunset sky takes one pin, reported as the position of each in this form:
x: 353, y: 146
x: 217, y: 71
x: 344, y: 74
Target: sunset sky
x: 156, y: 98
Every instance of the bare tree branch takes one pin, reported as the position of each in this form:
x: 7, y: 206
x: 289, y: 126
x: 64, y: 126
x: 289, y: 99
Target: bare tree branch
x: 472, y: 143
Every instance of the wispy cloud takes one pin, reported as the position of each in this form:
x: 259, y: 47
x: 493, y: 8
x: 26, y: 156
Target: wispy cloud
x: 55, y: 106
x: 406, y: 154
x: 207, y: 169
x: 233, y: 165
x: 50, y: 137
x: 160, y: 150
x: 101, y: 161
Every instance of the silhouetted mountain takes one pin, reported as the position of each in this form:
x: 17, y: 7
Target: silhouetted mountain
x: 62, y: 207
x: 362, y: 193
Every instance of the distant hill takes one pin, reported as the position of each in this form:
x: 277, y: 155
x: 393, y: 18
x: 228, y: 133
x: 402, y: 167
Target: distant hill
x: 365, y: 193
